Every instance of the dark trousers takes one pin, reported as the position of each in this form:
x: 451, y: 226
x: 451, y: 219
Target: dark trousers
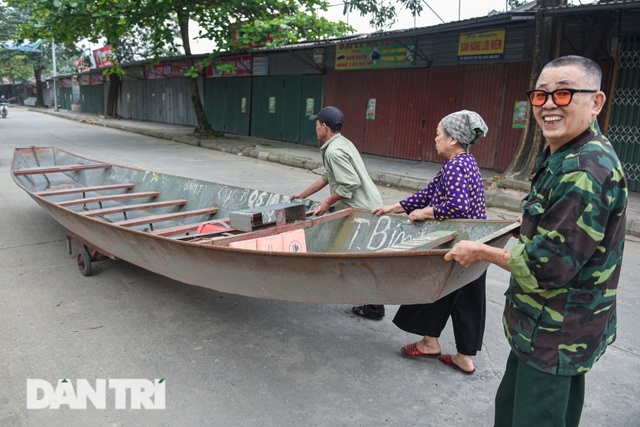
x: 467, y: 308
x: 529, y: 397
x: 376, y: 310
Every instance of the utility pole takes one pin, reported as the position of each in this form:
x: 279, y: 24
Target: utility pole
x: 55, y: 73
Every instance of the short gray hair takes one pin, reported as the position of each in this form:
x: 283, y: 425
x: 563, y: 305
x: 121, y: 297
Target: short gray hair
x: 592, y: 70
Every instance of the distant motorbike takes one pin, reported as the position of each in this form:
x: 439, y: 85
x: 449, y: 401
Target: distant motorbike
x: 3, y: 111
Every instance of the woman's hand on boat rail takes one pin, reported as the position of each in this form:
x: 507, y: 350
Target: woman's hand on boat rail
x: 397, y: 208
x: 468, y: 253
x: 421, y: 215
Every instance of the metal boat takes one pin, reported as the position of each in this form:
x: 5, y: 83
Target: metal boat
x: 246, y: 241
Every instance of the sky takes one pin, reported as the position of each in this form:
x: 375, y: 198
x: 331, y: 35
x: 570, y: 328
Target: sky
x: 446, y: 9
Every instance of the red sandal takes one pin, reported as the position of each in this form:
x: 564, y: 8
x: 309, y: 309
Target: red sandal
x: 448, y: 360
x: 412, y: 350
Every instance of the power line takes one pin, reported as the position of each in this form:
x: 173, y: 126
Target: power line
x: 434, y: 12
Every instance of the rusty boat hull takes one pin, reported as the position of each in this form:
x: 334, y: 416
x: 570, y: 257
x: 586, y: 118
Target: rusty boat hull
x: 155, y: 220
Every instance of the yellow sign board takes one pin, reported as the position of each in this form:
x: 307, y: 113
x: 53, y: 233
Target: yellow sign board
x: 481, y: 45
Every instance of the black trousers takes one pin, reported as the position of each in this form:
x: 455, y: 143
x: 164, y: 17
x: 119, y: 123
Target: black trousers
x: 376, y: 310
x: 467, y: 308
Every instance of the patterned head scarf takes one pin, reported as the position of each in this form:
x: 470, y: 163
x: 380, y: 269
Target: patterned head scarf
x: 465, y: 127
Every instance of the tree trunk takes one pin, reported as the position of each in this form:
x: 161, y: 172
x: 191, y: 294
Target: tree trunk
x: 203, y: 127
x: 547, y: 47
x: 111, y: 109
x: 597, y: 34
x: 37, y: 73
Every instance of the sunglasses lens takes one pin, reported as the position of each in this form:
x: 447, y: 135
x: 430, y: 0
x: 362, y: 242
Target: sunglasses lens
x: 562, y: 97
x: 538, y: 97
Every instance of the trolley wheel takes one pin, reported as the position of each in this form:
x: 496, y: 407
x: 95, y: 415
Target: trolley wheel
x: 84, y: 262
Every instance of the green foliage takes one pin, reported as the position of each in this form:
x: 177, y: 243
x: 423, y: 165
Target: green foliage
x: 138, y: 45
x: 232, y: 25
x: 16, y: 68
x: 15, y: 63
x: 154, y: 25
x: 383, y: 13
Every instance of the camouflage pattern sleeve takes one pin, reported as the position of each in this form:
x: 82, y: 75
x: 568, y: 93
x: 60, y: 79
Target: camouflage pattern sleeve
x: 563, y: 232
x: 560, y: 309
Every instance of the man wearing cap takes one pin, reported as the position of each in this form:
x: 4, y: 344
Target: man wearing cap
x: 348, y: 179
x: 349, y: 182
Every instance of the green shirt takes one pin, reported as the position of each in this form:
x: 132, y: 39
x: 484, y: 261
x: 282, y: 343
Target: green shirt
x: 347, y: 176
x: 560, y: 311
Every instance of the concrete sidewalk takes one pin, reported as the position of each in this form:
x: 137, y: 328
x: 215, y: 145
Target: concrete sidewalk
x: 406, y: 174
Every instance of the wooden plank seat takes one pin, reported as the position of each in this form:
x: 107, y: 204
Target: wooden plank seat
x: 180, y: 229
x: 62, y: 168
x: 270, y: 230
x: 100, y: 199
x: 422, y: 243
x: 76, y: 190
x: 126, y: 208
x: 166, y: 217
x: 188, y: 228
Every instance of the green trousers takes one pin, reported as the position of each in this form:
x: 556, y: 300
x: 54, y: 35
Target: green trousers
x: 528, y: 397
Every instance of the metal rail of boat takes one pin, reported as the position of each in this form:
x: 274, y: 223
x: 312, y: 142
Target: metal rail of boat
x: 112, y: 197
x: 60, y: 169
x: 124, y: 208
x: 83, y: 190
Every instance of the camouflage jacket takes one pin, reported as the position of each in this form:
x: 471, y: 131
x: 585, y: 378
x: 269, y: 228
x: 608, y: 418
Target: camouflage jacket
x: 560, y: 311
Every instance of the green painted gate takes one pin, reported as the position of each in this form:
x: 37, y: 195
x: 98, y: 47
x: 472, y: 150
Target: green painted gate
x: 228, y: 104
x: 312, y: 102
x: 92, y: 99
x: 279, y: 107
x: 66, y: 98
x: 624, y: 122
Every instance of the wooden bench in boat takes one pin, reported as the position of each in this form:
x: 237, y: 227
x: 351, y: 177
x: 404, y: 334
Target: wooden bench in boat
x: 100, y: 199
x: 180, y: 229
x: 126, y: 208
x: 76, y: 190
x: 270, y: 231
x: 422, y: 243
x: 195, y: 227
x: 62, y: 168
x: 166, y: 217
x: 248, y: 219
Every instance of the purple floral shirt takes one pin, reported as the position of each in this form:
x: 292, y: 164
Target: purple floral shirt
x: 457, y: 191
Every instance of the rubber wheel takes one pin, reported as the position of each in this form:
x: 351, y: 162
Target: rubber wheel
x: 84, y: 262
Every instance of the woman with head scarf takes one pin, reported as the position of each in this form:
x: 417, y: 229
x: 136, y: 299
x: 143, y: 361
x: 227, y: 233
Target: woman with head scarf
x: 457, y: 191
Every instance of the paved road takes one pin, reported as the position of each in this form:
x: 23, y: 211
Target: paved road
x: 230, y: 360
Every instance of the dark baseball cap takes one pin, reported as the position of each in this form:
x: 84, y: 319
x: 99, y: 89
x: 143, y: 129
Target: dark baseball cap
x: 331, y: 116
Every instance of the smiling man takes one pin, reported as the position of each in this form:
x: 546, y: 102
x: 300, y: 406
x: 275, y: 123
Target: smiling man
x: 560, y: 310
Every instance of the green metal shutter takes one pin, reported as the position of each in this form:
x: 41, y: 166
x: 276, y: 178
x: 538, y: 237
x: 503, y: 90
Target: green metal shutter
x: 224, y: 104
x: 259, y: 91
x: 238, y: 90
x: 624, y: 122
x: 92, y: 99
x: 66, y: 98
x: 276, y: 107
x: 292, y: 108
x: 311, y: 90
x: 279, y: 106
